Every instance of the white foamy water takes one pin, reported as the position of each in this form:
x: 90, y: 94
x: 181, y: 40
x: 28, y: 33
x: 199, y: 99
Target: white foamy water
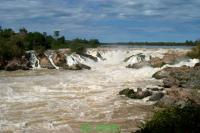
x: 61, y: 100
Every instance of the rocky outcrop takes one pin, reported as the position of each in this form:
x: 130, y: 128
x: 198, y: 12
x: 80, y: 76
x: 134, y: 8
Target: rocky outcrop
x: 44, y: 62
x: 140, y: 60
x: 168, y: 58
x: 179, y: 97
x: 138, y: 65
x: 156, y: 96
x: 156, y: 62
x: 89, y: 56
x: 59, y: 59
x: 186, y: 77
x: 17, y: 64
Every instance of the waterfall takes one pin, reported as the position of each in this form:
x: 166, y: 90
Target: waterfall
x: 35, y: 63
x: 52, y: 63
x: 49, y: 56
x: 70, y: 61
x: 136, y: 58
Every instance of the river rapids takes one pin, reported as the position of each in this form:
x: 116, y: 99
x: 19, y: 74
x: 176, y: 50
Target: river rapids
x: 43, y: 100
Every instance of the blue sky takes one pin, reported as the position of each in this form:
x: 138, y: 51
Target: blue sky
x: 106, y: 20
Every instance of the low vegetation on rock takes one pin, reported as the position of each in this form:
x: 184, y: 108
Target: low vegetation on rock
x: 195, y: 52
x: 174, y: 120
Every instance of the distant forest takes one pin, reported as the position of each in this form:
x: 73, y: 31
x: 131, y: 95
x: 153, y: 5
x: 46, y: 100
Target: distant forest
x: 186, y: 43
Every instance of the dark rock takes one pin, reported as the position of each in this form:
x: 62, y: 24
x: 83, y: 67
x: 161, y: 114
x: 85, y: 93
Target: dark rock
x: 99, y: 56
x: 169, y: 82
x: 138, y: 65
x: 161, y: 74
x: 89, y: 56
x: 127, y: 92
x: 155, y: 89
x: 156, y: 96
x: 77, y: 67
x: 16, y: 64
x: 2, y: 64
x: 83, y: 66
x: 142, y: 94
x: 135, y: 95
x: 13, y: 65
x: 187, y: 77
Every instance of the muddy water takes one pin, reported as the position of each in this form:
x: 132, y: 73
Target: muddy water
x: 61, y: 100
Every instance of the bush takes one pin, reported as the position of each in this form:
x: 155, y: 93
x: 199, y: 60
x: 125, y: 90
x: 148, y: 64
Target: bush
x: 174, y: 120
x: 195, y: 52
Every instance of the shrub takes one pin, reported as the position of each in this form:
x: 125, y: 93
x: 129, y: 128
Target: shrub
x: 195, y: 52
x: 174, y: 120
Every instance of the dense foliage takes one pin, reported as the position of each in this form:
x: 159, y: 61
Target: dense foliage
x: 174, y: 120
x: 14, y: 45
x: 195, y: 52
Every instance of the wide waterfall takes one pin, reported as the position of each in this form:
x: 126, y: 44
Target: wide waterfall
x: 61, y: 100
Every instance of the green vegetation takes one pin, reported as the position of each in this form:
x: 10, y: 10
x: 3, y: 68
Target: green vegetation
x: 186, y: 43
x: 174, y: 120
x: 14, y: 44
x: 195, y: 52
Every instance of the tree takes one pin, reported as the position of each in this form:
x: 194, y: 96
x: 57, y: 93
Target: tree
x: 23, y: 31
x: 56, y: 34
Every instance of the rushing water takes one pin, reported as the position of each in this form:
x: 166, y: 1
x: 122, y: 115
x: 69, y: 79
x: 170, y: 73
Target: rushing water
x: 61, y: 100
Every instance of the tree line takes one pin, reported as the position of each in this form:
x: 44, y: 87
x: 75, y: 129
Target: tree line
x: 14, y: 44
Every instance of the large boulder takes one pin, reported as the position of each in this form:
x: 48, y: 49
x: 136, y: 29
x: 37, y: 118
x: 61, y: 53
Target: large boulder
x: 169, y: 82
x: 59, y: 59
x: 44, y: 62
x: 16, y: 64
x: 168, y: 71
x: 186, y: 77
x: 179, y: 96
x: 168, y: 58
x: 78, y: 66
x: 156, y: 96
x: 156, y: 62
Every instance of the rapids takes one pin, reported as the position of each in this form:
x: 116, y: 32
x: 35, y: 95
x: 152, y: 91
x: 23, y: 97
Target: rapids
x: 61, y: 100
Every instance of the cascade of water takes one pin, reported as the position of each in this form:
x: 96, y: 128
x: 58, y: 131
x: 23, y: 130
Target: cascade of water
x: 70, y: 61
x: 52, y: 63
x: 35, y: 63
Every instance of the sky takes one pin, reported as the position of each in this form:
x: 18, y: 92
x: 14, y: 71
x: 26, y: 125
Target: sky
x: 106, y: 20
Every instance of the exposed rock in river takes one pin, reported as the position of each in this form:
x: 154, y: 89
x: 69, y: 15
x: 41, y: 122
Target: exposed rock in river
x: 17, y: 64
x: 140, y: 94
x: 179, y: 96
x: 187, y: 77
